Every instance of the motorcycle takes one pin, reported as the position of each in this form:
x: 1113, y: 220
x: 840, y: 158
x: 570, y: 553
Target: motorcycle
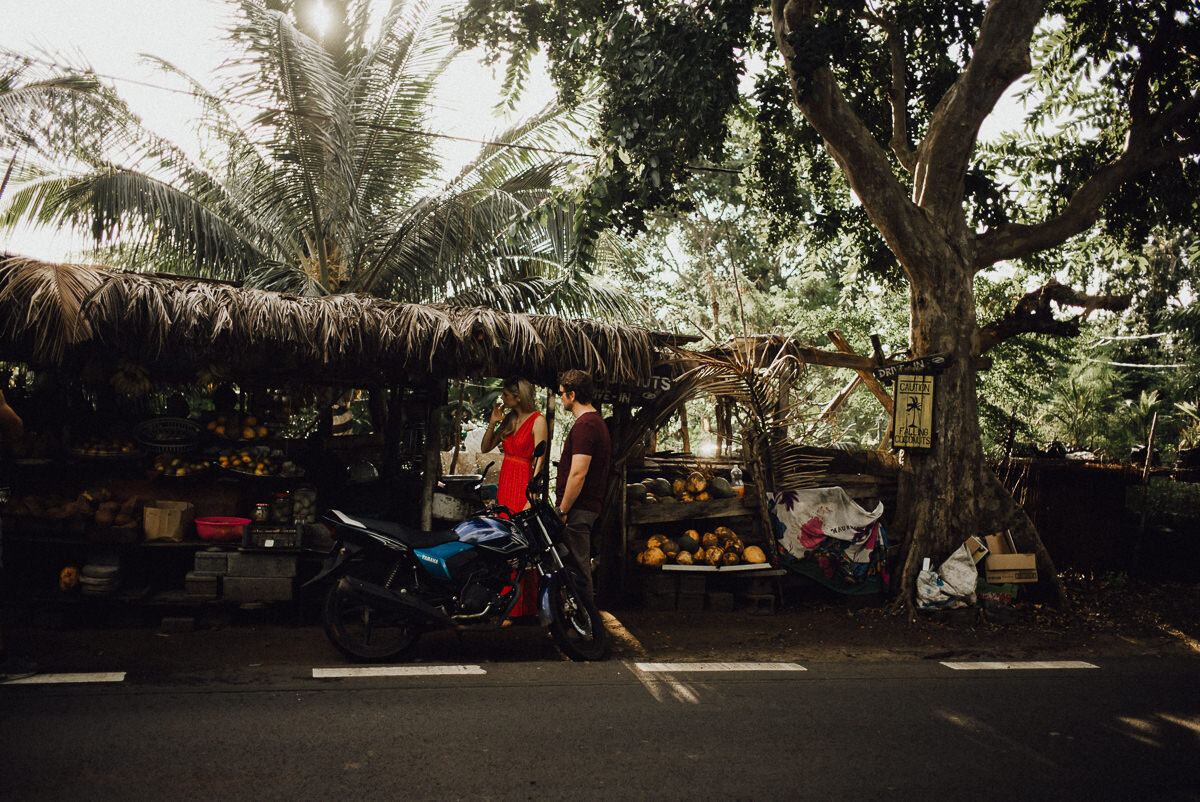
x: 391, y: 583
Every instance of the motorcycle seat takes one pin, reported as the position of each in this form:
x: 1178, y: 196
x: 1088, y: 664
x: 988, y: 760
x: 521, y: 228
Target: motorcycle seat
x: 397, y: 531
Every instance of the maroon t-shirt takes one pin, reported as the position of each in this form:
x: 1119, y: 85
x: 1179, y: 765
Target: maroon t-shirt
x: 589, y: 435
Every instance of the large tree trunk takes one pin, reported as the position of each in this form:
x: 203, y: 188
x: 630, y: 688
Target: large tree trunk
x: 949, y: 492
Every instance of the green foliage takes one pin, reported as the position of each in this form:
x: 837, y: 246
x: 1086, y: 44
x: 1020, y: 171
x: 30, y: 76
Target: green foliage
x: 317, y: 176
x: 1189, y: 434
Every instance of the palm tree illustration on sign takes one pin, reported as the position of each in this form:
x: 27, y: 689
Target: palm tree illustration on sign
x: 913, y: 410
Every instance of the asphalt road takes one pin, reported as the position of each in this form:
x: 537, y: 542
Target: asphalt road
x: 548, y: 729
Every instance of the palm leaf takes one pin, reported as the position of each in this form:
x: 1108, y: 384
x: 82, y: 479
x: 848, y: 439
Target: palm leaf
x: 50, y: 296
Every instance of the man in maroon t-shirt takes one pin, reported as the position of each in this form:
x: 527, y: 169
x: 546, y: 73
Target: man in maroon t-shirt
x: 582, y: 470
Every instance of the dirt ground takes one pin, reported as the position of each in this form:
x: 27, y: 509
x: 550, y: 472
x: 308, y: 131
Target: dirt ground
x: 1111, y: 617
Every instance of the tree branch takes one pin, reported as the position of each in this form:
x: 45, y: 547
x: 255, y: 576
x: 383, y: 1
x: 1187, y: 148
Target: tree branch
x: 859, y: 156
x: 1001, y: 56
x: 1033, y: 314
x: 1139, y: 90
x: 897, y: 93
x: 1015, y: 240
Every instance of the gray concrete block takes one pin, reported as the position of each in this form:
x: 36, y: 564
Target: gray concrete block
x: 257, y: 588
x: 211, y: 562
x: 263, y: 565
x: 720, y: 602
x: 202, y: 584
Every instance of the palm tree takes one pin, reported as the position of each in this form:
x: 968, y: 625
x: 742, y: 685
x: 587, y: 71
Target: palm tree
x: 321, y: 175
x: 29, y: 96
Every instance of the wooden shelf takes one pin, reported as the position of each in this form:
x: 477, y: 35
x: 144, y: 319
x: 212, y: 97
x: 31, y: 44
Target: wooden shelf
x: 659, y: 512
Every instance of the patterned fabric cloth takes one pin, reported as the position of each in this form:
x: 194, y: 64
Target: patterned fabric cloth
x: 826, y: 534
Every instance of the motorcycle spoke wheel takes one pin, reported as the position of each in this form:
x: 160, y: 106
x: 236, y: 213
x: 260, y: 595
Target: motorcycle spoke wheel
x: 576, y: 625
x: 367, y: 634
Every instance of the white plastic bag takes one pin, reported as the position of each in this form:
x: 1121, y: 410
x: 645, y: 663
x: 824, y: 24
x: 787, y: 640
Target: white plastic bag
x: 951, y: 586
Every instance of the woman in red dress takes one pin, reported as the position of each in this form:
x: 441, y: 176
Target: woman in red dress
x: 519, y: 427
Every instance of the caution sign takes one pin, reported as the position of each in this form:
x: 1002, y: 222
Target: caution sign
x: 914, y: 412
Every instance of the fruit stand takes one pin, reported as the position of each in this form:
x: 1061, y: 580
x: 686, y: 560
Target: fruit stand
x: 695, y: 541
x: 106, y: 355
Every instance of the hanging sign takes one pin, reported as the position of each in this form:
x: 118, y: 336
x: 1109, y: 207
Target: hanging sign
x: 634, y: 396
x: 934, y: 363
x: 913, y: 412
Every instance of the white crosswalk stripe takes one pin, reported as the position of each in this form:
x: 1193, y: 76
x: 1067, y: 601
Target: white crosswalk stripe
x: 1001, y: 665
x: 66, y: 679
x: 682, y: 667
x: 395, y: 671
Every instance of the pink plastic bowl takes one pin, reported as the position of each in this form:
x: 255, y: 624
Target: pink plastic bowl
x: 221, y: 529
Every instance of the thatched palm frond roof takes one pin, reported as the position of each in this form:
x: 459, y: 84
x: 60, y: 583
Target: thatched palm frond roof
x: 40, y: 305
x: 61, y: 314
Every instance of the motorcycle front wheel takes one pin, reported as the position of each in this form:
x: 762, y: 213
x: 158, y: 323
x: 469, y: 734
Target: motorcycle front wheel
x: 363, y: 633
x: 575, y: 622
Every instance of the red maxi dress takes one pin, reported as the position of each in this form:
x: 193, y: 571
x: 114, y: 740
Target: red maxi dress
x: 515, y: 473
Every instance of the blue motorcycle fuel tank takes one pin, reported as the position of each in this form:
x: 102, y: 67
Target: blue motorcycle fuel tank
x: 440, y: 560
x: 494, y: 534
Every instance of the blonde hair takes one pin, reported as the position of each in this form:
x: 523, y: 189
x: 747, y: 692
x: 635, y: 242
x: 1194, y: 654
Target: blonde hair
x: 522, y: 388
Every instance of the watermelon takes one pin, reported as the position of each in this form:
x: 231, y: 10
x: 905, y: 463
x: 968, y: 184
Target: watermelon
x: 720, y: 488
x: 687, y: 542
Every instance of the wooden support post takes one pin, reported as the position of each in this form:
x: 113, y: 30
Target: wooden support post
x: 432, y: 468
x: 683, y: 429
x: 868, y: 378
x: 551, y: 408
x: 1137, y: 547
x: 887, y: 434
x: 834, y: 405
x: 458, y: 412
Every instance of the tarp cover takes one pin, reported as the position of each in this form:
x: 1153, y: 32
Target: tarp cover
x: 829, y: 536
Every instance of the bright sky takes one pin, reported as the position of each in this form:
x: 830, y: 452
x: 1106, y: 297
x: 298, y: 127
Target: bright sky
x: 110, y: 35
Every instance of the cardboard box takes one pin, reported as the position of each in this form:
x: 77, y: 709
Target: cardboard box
x: 977, y: 548
x: 167, y: 520
x: 1003, y: 563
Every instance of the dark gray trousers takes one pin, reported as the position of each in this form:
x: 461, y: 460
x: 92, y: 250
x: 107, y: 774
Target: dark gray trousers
x: 578, y: 537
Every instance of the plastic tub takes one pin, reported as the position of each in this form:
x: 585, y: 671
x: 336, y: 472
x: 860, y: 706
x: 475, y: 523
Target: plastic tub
x: 221, y: 529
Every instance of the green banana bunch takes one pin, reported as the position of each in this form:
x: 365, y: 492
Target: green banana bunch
x: 130, y: 379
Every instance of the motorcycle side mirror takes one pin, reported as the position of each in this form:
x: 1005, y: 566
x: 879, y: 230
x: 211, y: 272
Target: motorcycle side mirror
x: 537, y: 484
x: 483, y: 476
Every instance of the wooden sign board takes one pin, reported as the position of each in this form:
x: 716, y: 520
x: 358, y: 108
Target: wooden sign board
x: 934, y: 363
x: 913, y: 412
x: 634, y: 396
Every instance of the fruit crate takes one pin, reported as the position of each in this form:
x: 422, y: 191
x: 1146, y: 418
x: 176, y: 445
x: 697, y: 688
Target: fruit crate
x: 270, y: 537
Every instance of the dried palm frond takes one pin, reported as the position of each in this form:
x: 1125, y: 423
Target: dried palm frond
x: 190, y: 322
x: 40, y: 303
x: 759, y: 375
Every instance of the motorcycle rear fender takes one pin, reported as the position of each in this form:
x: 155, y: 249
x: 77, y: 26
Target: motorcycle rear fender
x: 332, y: 564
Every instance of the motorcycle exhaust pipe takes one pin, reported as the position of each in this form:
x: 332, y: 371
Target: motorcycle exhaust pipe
x: 382, y: 597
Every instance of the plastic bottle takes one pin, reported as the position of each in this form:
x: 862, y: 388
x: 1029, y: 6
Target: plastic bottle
x: 735, y: 481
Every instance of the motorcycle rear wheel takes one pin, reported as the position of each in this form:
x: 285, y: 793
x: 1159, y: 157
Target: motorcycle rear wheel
x: 363, y: 633
x: 575, y: 622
